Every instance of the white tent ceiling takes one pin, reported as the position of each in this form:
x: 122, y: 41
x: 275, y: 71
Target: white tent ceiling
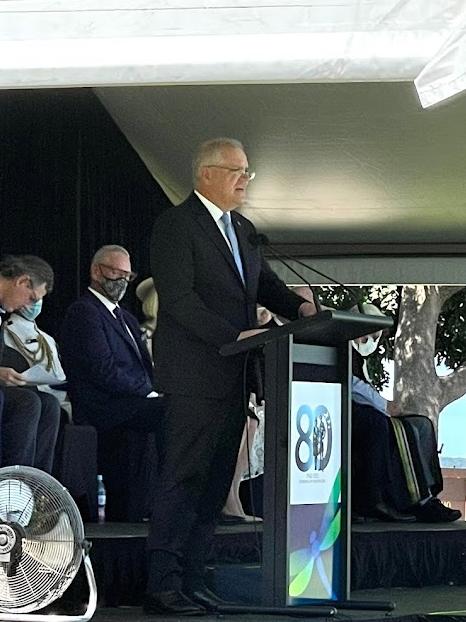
x: 321, y: 93
x: 90, y: 42
x: 335, y: 162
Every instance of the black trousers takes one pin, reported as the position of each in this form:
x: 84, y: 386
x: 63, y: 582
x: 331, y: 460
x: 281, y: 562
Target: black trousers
x: 373, y: 477
x: 128, y: 456
x: 30, y: 424
x: 199, y: 442
x: 394, y: 460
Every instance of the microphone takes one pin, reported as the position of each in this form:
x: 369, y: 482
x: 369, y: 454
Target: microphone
x: 260, y: 239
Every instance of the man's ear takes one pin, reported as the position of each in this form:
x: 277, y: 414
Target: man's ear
x: 205, y: 174
x: 94, y: 272
x: 21, y: 280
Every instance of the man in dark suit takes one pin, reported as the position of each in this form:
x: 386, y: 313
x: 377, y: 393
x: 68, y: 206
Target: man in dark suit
x: 209, y: 277
x: 109, y: 370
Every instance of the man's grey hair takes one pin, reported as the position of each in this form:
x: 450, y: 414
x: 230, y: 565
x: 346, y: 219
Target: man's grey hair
x: 36, y: 268
x: 210, y: 152
x: 104, y: 251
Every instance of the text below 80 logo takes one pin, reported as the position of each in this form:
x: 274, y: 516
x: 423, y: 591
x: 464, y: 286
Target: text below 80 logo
x: 314, y: 445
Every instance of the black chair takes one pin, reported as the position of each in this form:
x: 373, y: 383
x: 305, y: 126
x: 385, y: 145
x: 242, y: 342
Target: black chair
x: 75, y: 465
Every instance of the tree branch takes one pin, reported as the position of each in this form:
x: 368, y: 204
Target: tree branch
x: 446, y: 292
x: 453, y: 386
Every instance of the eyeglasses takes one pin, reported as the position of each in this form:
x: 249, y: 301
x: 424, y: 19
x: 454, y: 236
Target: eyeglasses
x: 241, y: 172
x: 119, y: 274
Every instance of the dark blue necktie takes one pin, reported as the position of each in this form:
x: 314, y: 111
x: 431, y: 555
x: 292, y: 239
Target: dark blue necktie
x: 119, y: 316
x: 231, y: 235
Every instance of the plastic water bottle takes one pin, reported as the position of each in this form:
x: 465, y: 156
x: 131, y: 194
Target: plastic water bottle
x: 101, y: 498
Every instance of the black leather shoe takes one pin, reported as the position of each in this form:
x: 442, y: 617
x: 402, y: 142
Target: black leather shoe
x: 208, y: 599
x: 356, y: 518
x: 171, y: 602
x: 386, y: 513
x: 433, y: 511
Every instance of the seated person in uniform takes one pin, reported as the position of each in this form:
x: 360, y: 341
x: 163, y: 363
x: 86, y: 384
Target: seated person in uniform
x: 31, y: 418
x: 395, y: 461
x: 27, y: 346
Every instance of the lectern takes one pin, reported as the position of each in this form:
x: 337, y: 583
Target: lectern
x: 307, y: 504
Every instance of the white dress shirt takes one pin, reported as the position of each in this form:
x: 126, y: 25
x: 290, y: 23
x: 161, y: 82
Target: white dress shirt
x: 216, y: 214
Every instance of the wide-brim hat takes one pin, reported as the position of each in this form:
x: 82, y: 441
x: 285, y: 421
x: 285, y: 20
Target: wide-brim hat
x: 144, y: 288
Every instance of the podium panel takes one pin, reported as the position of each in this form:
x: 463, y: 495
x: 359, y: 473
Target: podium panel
x: 314, y: 492
x: 305, y: 543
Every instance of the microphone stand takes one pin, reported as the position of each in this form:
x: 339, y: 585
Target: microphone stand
x: 350, y: 290
x: 291, y: 269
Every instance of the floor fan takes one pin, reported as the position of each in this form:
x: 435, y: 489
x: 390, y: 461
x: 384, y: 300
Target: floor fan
x: 42, y: 546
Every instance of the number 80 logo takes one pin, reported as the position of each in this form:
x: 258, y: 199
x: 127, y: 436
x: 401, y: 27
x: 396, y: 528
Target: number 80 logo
x: 317, y: 438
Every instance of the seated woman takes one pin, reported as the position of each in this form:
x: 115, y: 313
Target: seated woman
x: 31, y: 417
x: 250, y: 462
x: 395, y: 462
x: 149, y: 299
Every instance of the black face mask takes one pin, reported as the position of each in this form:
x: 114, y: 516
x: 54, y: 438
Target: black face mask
x: 115, y: 289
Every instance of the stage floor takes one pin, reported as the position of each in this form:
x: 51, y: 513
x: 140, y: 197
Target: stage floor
x: 140, y: 530
x: 447, y: 603
x: 384, y: 555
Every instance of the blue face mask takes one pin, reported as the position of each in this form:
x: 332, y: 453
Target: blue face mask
x: 30, y: 313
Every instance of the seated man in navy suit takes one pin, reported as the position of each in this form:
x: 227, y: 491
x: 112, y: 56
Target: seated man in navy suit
x: 108, y: 367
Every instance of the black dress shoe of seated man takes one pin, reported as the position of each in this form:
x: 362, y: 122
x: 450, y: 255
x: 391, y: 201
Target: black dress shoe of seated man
x: 204, y: 596
x: 386, y: 513
x: 171, y: 602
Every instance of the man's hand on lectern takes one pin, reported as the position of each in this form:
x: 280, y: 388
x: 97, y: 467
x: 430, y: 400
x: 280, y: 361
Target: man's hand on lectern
x: 307, y: 309
x: 244, y: 334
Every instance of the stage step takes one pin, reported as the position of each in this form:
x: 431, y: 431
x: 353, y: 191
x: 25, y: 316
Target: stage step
x: 383, y: 555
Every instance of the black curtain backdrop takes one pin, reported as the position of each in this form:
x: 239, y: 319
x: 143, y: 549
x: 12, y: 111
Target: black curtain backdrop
x: 69, y: 183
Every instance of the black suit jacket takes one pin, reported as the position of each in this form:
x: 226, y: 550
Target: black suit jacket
x: 203, y: 303
x: 102, y: 366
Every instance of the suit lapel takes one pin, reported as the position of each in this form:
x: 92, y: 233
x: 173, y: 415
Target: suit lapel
x: 211, y: 229
x: 137, y: 347
x: 2, y: 341
x: 115, y: 324
x: 135, y: 343
x: 143, y: 351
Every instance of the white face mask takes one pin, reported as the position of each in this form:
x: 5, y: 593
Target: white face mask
x: 367, y: 348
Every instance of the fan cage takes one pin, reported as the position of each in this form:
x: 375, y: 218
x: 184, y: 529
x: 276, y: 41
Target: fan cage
x: 48, y: 541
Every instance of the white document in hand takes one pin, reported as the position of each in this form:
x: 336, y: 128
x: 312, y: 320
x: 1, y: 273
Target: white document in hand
x: 38, y: 375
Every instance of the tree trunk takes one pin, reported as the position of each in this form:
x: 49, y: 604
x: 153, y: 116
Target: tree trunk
x: 417, y: 388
